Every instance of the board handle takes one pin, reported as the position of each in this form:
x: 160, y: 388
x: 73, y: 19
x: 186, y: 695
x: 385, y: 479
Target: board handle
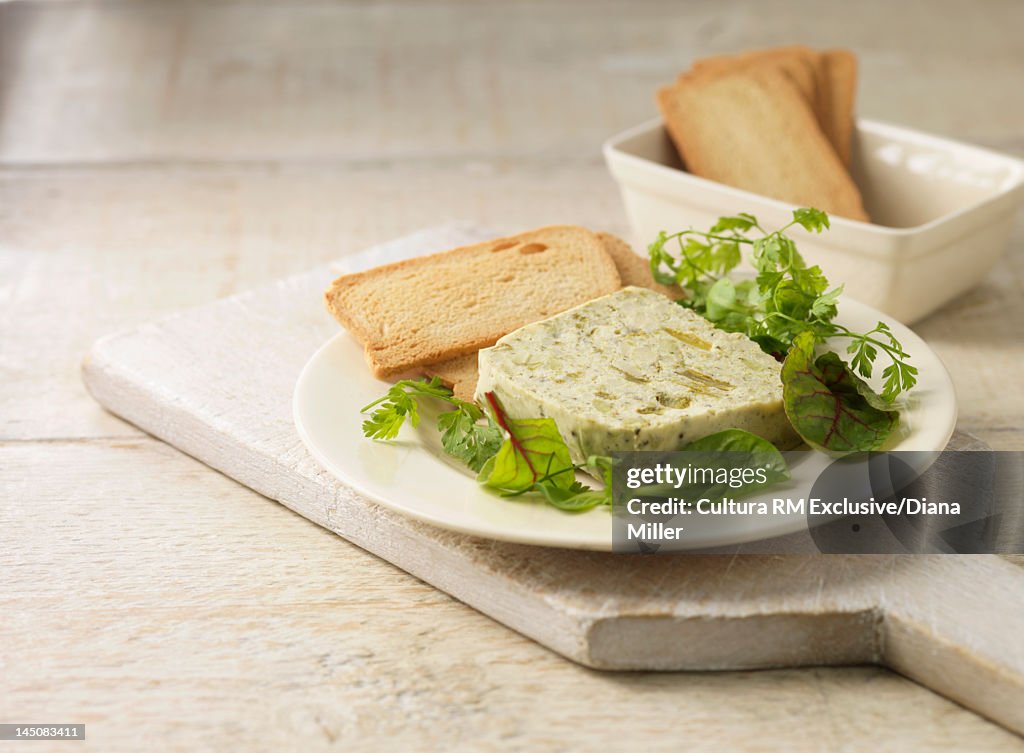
x: 955, y: 624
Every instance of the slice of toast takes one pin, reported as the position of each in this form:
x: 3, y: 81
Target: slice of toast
x: 752, y: 129
x: 801, y: 64
x: 439, y: 307
x: 828, y: 80
x: 460, y: 374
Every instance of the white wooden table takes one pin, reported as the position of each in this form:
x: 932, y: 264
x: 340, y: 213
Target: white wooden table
x: 156, y: 156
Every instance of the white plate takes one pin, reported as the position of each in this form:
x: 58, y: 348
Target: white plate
x: 412, y: 476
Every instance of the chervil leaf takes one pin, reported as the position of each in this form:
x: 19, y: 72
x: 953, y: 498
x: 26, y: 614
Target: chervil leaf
x: 864, y: 354
x: 813, y: 220
x: 768, y: 253
x: 394, y: 408
x: 463, y: 437
x: 767, y: 280
x: 898, y: 377
x: 664, y: 267
x: 824, y: 306
x: 741, y: 221
x: 463, y: 434
x: 724, y: 256
x: 810, y: 280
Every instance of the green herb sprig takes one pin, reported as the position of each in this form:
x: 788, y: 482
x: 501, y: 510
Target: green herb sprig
x: 466, y: 433
x: 785, y: 299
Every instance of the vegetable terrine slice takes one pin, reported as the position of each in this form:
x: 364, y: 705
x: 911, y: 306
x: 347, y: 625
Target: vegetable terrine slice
x: 634, y: 371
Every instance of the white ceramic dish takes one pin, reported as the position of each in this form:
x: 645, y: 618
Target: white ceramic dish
x: 942, y: 211
x: 414, y: 477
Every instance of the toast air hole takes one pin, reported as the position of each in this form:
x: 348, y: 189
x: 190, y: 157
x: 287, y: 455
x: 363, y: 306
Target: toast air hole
x: 533, y: 248
x: 502, y: 246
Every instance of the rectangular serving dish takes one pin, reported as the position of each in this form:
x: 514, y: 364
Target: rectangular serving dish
x: 942, y: 211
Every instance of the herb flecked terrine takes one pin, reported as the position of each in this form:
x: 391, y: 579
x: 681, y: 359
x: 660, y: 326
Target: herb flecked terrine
x: 634, y: 371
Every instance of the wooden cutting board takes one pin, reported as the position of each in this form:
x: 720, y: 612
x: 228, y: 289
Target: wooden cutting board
x: 216, y: 382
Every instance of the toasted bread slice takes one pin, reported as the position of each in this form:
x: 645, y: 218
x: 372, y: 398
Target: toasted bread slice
x: 434, y: 308
x: 827, y: 80
x: 801, y: 64
x: 460, y: 374
x: 752, y: 129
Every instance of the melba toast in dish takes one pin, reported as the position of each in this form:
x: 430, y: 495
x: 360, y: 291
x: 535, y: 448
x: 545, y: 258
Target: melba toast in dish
x: 827, y: 80
x: 776, y: 122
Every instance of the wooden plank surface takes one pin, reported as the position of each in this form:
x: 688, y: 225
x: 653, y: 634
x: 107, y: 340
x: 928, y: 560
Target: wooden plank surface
x: 176, y: 616
x: 123, y: 129
x: 350, y: 81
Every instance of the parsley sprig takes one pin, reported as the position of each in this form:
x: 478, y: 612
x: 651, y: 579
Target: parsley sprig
x: 785, y: 299
x: 465, y: 434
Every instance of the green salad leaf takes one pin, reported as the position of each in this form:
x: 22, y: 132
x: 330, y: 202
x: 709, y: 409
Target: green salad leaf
x: 535, y: 458
x: 741, y: 440
x: 533, y: 451
x: 830, y: 406
x: 578, y: 497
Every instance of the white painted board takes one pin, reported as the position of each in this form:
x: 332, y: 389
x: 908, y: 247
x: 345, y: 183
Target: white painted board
x: 216, y: 382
